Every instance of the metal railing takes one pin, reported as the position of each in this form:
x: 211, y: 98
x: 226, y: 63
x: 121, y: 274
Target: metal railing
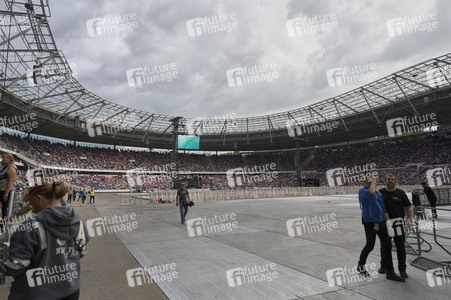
x: 220, y: 195
x: 434, y: 230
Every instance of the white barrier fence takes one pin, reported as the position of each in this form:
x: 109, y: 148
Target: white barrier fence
x: 259, y: 193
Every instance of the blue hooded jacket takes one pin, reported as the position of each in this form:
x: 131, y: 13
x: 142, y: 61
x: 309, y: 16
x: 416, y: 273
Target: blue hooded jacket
x: 373, y: 207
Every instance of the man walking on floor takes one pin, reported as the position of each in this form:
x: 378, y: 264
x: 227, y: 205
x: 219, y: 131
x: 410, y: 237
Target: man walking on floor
x: 183, y: 196
x: 395, y: 201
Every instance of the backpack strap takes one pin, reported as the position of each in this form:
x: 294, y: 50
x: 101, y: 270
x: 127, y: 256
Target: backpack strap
x: 80, y: 242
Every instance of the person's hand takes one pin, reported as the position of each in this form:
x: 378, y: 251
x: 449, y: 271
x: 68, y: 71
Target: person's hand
x: 176, y: 204
x: 409, y: 226
x: 5, y: 197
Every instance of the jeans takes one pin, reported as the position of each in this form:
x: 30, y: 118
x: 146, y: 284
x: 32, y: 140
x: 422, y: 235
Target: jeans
x: 183, y: 210
x: 400, y: 252
x: 370, y: 234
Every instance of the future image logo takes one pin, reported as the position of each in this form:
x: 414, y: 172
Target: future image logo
x: 438, y: 176
x: 436, y: 77
x: 412, y: 124
x: 38, y: 176
x: 51, y: 275
x: 110, y: 225
x: 139, y: 177
x: 350, y: 75
x: 199, y: 126
x: 438, y: 276
x: 312, y: 25
x: 10, y: 25
x: 111, y: 126
x: 211, y: 225
x: 408, y: 25
x: 16, y: 224
x: 251, y: 274
x: 309, y: 225
x: 249, y: 75
x: 149, y: 75
x: 24, y: 123
x: 111, y: 24
x: 239, y: 177
x: 299, y: 126
x: 350, y: 175
x: 50, y: 74
x: 149, y: 274
x: 209, y: 25
x: 348, y: 275
x: 398, y: 226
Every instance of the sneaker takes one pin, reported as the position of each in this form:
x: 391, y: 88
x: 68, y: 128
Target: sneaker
x: 362, y: 271
x: 395, y: 277
x: 382, y: 270
x: 403, y: 274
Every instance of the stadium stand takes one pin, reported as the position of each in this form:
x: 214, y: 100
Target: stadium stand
x: 408, y: 158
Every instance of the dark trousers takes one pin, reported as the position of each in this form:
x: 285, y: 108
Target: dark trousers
x: 370, y: 234
x: 92, y: 198
x: 5, y: 204
x: 69, y: 198
x: 4, y: 209
x: 74, y: 296
x: 400, y: 252
x: 433, y: 204
x: 183, y: 210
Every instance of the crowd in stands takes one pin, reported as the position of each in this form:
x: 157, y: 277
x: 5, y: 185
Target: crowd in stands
x: 408, y: 159
x: 386, y: 154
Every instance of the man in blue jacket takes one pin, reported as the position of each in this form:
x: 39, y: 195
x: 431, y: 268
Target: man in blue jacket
x: 374, y: 218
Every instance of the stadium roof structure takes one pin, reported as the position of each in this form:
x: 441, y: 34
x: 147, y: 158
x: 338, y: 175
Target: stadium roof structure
x: 35, y: 77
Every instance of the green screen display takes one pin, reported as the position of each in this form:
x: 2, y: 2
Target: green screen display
x: 188, y: 142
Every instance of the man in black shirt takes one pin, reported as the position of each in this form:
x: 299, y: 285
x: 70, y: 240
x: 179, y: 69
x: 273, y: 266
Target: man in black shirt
x: 395, y: 201
x: 183, y: 196
x: 432, y: 198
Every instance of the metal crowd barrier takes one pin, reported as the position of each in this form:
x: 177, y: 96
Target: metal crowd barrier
x: 256, y: 193
x: 443, y: 194
x: 425, y: 263
x: 434, y: 230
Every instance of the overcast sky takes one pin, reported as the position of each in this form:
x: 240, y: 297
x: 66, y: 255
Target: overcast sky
x: 204, y: 65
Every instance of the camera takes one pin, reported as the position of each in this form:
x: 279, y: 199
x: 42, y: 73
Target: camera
x: 190, y: 203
